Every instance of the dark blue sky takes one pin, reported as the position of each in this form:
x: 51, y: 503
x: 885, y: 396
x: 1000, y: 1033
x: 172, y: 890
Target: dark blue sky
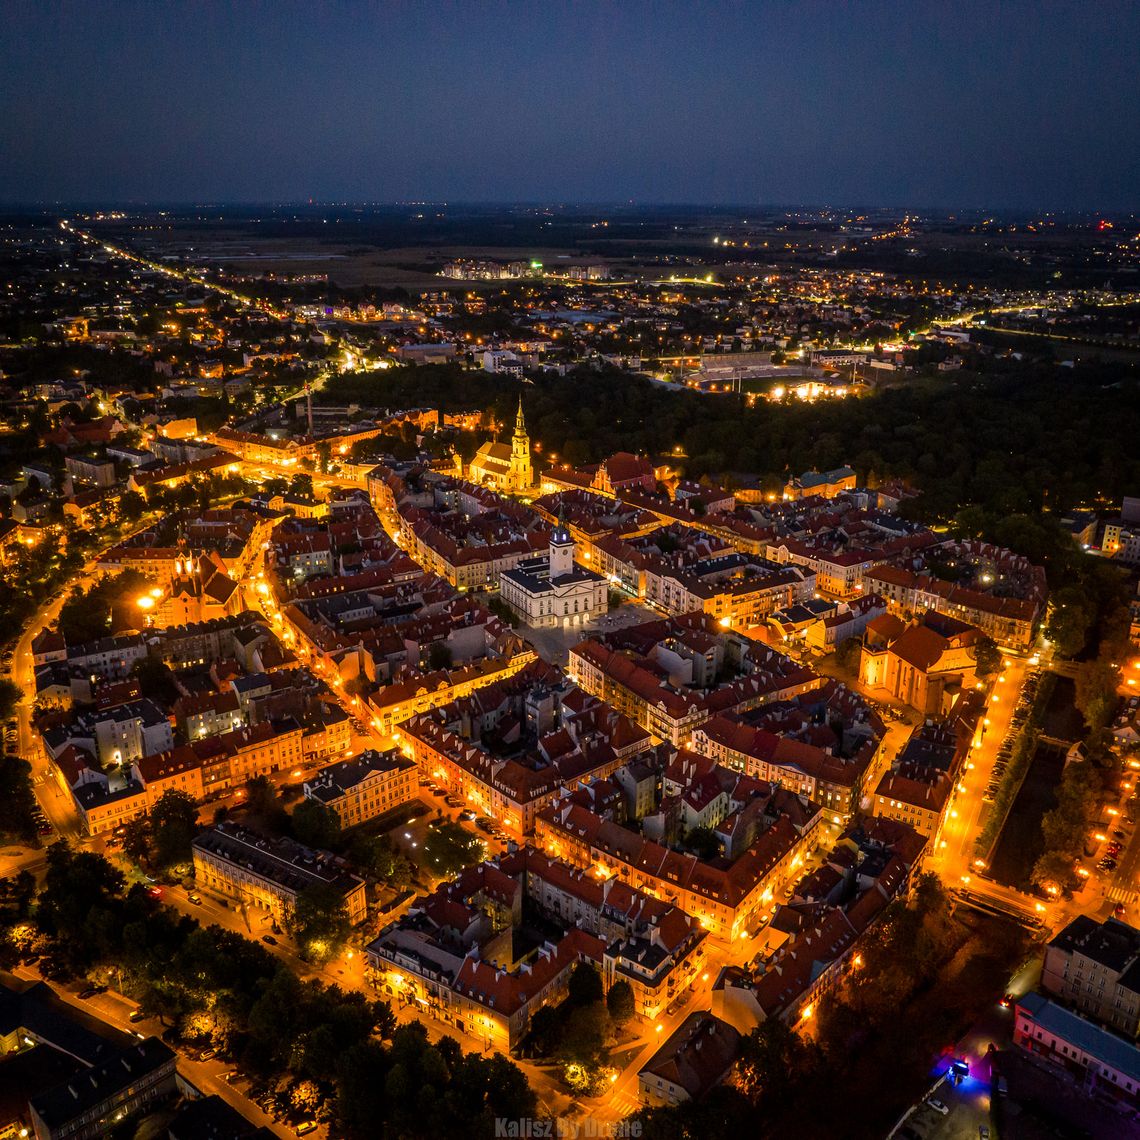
x: 1033, y: 105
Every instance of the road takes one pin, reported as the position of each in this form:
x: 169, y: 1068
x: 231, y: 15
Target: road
x: 55, y: 801
x: 955, y: 860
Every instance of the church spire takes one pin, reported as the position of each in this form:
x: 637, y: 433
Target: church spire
x: 520, y: 422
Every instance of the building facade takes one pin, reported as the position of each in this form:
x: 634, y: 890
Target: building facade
x: 365, y: 787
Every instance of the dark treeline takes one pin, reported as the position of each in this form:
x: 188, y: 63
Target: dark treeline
x: 1010, y: 441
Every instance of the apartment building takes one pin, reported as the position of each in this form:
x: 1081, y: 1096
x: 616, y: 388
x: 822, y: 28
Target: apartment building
x: 1095, y: 968
x: 367, y: 786
x: 1009, y: 621
x: 269, y: 874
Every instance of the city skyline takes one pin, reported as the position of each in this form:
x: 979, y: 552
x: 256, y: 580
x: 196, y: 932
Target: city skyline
x: 569, y: 570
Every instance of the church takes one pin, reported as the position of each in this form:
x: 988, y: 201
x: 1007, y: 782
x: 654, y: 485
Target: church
x: 505, y: 466
x: 552, y: 590
x: 199, y: 590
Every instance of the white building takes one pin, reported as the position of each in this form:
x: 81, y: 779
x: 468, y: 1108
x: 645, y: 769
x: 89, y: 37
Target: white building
x: 553, y: 591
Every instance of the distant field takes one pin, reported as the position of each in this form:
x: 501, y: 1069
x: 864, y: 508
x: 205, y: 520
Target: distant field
x: 348, y: 260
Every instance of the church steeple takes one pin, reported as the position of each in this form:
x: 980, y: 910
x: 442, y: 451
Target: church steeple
x: 521, y: 473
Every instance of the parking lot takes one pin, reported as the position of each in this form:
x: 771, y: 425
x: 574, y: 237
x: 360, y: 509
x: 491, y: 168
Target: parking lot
x: 950, y: 1112
x: 1016, y: 726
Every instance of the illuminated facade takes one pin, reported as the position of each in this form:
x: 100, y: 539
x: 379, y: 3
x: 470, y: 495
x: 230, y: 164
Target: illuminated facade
x: 506, y: 467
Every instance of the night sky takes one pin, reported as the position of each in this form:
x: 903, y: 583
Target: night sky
x: 954, y: 104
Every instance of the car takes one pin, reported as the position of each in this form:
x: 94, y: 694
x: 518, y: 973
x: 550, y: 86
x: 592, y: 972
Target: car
x: 89, y: 992
x: 983, y: 1132
x: 268, y: 938
x: 1118, y: 834
x: 1007, y: 1000
x: 231, y: 1076
x: 195, y: 899
x: 306, y: 1126
x: 467, y: 815
x: 207, y: 1054
x: 1107, y: 864
x: 938, y: 1106
x: 135, y: 1016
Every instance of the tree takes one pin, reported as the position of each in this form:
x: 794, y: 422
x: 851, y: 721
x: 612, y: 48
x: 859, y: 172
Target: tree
x: 849, y: 653
x: 88, y: 615
x: 17, y: 799
x: 315, y: 825
x: 1095, y: 694
x: 156, y: 680
x: 263, y: 801
x: 545, y: 1028
x: 987, y: 657
x: 1071, y: 617
x: 439, y: 655
x: 376, y: 855
x: 620, y: 1002
x: 136, y: 840
x: 319, y: 922
x: 10, y: 696
x: 584, y: 1034
x: 301, y: 485
x: 449, y: 848
x: 772, y: 1059
x: 585, y: 985
x: 703, y: 843
x: 1053, y: 869
x: 131, y: 505
x: 173, y: 825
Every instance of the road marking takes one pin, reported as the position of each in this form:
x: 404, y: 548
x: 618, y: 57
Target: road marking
x: 1119, y: 894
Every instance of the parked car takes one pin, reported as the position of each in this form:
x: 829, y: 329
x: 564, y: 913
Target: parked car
x: 938, y: 1106
x: 135, y: 1016
x: 207, y: 1054
x: 268, y: 938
